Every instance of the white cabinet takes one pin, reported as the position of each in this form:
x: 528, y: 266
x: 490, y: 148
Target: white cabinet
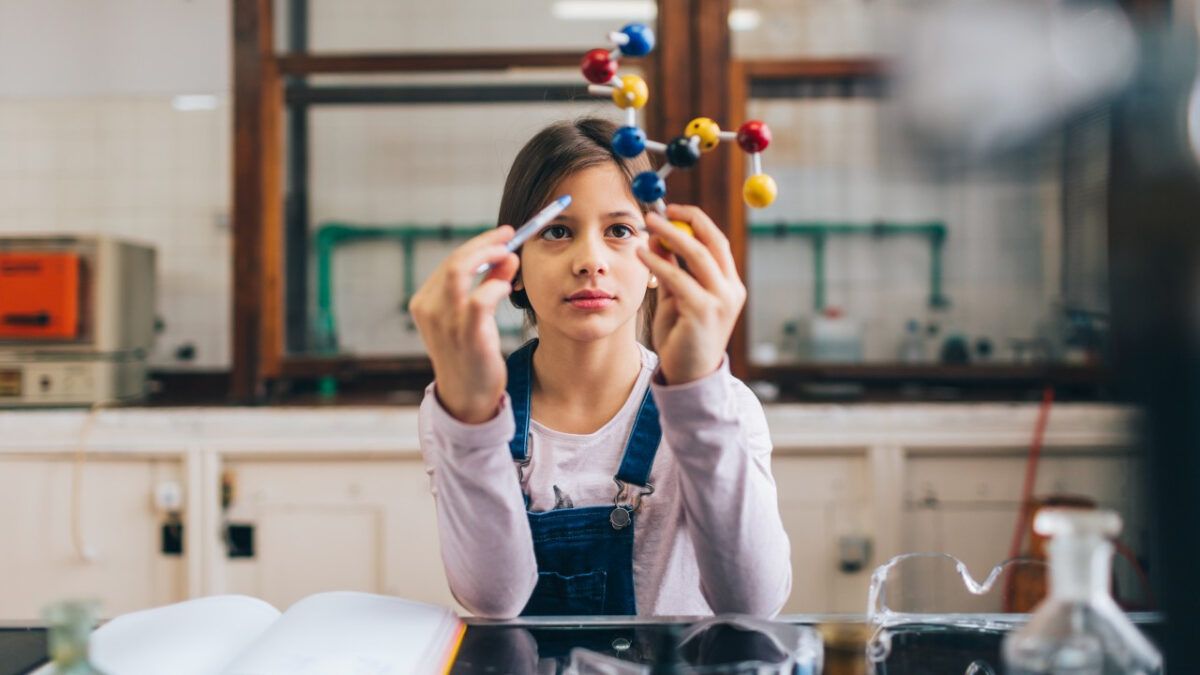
x: 822, y: 498
x: 106, y: 545
x: 339, y: 498
x: 327, y: 524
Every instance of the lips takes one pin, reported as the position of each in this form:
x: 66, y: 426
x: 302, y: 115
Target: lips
x: 590, y: 299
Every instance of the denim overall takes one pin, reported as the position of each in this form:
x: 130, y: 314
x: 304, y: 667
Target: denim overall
x: 584, y: 555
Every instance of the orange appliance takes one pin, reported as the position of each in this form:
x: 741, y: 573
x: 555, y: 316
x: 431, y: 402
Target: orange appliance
x: 77, y: 316
x: 39, y: 295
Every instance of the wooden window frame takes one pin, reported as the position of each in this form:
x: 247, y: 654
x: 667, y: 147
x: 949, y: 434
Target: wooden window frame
x: 692, y: 35
x: 693, y: 38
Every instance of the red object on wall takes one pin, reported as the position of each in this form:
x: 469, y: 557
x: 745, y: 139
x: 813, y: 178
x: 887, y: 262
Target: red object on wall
x: 39, y: 295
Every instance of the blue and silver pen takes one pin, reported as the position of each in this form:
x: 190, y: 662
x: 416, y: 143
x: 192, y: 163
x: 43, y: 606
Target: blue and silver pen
x: 531, y: 228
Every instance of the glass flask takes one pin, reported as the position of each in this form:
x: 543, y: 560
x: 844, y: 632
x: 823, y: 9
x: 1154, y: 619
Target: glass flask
x: 1078, y: 629
x: 68, y: 625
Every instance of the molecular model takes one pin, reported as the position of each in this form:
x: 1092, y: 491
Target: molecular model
x: 629, y: 92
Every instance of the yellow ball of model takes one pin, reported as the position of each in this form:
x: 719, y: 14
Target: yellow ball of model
x: 632, y: 92
x: 759, y: 191
x: 708, y: 131
x: 679, y: 225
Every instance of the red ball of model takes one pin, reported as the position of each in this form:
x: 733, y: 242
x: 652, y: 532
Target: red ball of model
x: 598, y: 66
x: 754, y: 136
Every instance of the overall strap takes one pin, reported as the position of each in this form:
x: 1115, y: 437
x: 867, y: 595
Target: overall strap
x: 640, y: 449
x: 642, y: 445
x: 520, y: 389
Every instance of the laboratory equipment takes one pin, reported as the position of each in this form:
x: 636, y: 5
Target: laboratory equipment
x: 729, y: 644
x: 1079, y: 629
x: 69, y: 624
x: 916, y: 594
x: 956, y: 351
x: 836, y: 338
x: 77, y: 319
x: 912, y: 346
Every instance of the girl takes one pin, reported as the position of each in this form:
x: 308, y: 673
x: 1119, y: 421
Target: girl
x: 588, y: 475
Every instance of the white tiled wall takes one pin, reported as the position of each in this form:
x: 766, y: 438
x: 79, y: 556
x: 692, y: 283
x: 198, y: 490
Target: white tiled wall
x: 134, y: 167
x: 833, y: 162
x: 818, y: 28
x: 352, y: 25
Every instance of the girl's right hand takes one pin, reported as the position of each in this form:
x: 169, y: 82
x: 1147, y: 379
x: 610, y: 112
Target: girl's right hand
x: 458, y: 325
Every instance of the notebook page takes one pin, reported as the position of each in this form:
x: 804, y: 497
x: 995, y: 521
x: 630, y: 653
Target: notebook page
x: 353, y: 634
x: 195, y: 637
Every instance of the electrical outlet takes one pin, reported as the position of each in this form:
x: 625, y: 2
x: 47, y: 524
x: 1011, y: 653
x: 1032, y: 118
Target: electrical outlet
x: 172, y: 537
x: 854, y: 553
x: 239, y: 540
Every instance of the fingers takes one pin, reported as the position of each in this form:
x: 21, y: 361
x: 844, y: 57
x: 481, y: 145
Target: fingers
x: 504, y: 270
x: 678, y: 284
x: 698, y: 258
x: 667, y: 311
x: 500, y: 235
x: 481, y: 303
x: 707, y: 233
x: 461, y: 267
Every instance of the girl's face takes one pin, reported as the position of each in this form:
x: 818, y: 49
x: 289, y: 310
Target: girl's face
x: 581, y: 272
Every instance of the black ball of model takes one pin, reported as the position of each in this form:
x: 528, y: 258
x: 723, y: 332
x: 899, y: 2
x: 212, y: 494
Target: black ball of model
x: 681, y: 153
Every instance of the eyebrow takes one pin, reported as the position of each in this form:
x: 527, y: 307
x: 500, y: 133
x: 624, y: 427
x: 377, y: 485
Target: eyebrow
x: 611, y: 214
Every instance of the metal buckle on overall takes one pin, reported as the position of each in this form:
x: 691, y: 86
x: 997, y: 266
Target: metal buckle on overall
x: 622, y: 516
x: 521, y: 468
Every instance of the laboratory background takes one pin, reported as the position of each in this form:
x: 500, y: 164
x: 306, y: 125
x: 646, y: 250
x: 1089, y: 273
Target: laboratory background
x: 973, y: 299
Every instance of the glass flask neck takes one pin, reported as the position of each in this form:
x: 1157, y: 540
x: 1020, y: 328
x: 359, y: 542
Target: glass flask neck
x: 1080, y: 566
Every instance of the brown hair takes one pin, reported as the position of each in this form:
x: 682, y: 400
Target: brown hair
x: 555, y: 152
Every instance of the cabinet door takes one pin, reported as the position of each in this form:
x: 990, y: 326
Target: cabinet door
x: 823, y: 498
x: 339, y: 524
x: 967, y: 504
x: 114, y: 521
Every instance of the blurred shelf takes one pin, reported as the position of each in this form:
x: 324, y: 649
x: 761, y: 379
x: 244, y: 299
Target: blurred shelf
x: 404, y: 62
x: 813, y: 69
x: 936, y: 373
x: 402, y: 380
x: 876, y: 382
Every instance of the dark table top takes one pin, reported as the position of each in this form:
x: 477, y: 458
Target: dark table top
x: 518, y: 646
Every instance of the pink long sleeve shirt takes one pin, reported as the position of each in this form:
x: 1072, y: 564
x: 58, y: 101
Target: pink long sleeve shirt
x: 709, y: 539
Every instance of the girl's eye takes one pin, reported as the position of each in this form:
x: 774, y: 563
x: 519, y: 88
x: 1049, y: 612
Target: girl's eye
x: 622, y: 231
x: 555, y: 233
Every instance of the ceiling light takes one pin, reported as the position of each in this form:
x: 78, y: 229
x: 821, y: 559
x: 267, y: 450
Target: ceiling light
x: 744, y: 19
x: 596, y: 10
x: 192, y: 102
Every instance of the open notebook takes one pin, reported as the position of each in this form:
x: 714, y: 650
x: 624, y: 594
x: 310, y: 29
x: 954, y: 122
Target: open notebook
x: 343, y: 632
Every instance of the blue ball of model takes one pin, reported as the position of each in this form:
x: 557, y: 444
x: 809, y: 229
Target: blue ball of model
x: 629, y: 142
x: 649, y: 187
x: 641, y: 40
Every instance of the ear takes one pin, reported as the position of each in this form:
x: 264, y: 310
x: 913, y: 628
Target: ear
x: 517, y: 284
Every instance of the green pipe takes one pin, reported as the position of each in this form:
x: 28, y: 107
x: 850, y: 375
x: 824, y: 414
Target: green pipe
x: 333, y: 234
x: 936, y: 248
x: 819, y: 231
x: 818, y: 246
x: 410, y: 271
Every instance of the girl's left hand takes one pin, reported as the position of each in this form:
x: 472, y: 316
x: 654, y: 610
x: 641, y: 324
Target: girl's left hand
x: 697, y: 309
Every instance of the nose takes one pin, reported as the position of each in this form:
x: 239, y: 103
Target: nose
x: 590, y: 254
